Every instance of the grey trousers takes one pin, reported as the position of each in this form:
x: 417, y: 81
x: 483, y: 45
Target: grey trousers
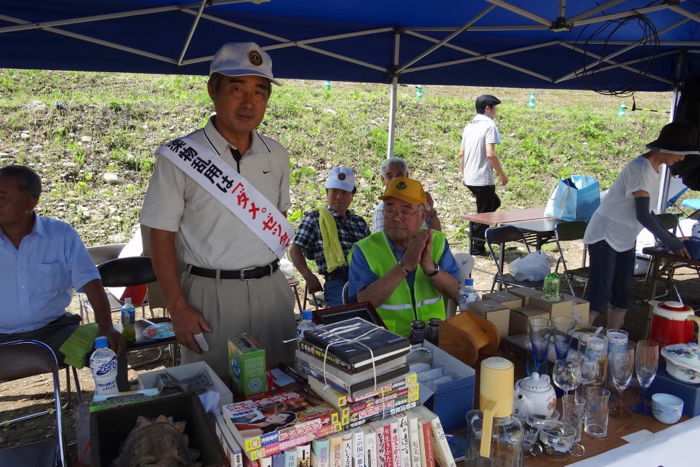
x: 262, y: 308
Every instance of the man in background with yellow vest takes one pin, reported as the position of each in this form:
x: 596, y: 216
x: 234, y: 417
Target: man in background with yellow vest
x: 404, y: 271
x: 326, y: 235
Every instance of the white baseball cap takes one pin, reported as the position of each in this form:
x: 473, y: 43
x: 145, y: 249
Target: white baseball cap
x: 341, y: 178
x: 242, y: 59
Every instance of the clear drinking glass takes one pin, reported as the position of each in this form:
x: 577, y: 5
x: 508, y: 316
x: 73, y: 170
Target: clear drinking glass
x: 621, y: 362
x: 646, y: 364
x: 595, y: 420
x: 617, y: 339
x: 567, y: 374
x: 594, y: 349
x: 562, y: 327
x: 539, y: 330
x: 572, y: 412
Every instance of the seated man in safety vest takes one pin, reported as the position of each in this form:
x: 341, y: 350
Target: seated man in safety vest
x: 404, y: 271
x: 326, y: 235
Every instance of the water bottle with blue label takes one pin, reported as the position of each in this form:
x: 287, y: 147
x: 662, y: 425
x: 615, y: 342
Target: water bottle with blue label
x: 306, y: 324
x: 128, y: 318
x: 467, y: 294
x: 103, y: 364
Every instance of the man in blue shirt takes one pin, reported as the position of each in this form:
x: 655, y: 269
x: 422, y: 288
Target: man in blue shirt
x: 42, y: 259
x: 405, y: 270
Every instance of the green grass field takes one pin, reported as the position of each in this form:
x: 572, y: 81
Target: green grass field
x: 75, y: 127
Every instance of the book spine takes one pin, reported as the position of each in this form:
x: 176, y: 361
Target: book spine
x: 360, y: 406
x: 320, y: 453
x: 251, y: 463
x: 231, y: 448
x: 346, y: 451
x: 440, y: 446
x: 427, y: 429
x: 395, y: 443
x: 370, y: 448
x: 388, y: 446
x: 304, y: 455
x: 266, y: 462
x: 404, y: 449
x: 382, y: 389
x: 303, y: 438
x: 381, y: 445
x: 278, y: 460
x: 290, y: 458
x: 414, y: 441
x: 383, y: 414
x: 377, y: 409
x: 331, y: 359
x: 358, y: 448
x: 336, y: 451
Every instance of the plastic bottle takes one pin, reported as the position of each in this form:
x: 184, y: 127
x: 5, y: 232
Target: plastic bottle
x: 550, y: 287
x: 128, y: 318
x: 531, y: 102
x: 306, y: 324
x: 419, y: 92
x: 467, y: 294
x: 621, y: 110
x: 103, y: 364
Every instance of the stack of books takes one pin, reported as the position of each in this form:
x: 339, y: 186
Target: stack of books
x: 413, y: 439
x: 360, y: 369
x: 273, y: 422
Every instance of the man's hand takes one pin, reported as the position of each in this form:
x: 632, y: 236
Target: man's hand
x: 414, y: 251
x: 188, y: 321
x: 312, y: 283
x: 503, y: 178
x: 116, y: 340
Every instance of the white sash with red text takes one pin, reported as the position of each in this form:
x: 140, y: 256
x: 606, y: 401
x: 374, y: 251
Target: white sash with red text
x: 232, y: 190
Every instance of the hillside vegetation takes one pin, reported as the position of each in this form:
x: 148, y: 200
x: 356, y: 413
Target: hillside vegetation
x: 74, y: 128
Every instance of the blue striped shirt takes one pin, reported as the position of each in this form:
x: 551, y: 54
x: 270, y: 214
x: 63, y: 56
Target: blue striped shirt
x: 38, y: 277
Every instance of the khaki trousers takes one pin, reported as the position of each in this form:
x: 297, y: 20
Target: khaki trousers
x: 262, y: 308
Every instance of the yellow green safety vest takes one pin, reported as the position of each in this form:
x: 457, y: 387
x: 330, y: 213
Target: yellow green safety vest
x: 401, y: 308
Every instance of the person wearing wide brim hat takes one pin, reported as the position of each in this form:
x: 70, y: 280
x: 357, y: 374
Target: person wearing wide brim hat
x: 625, y: 210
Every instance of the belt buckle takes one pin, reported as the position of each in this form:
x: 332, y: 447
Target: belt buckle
x: 243, y: 271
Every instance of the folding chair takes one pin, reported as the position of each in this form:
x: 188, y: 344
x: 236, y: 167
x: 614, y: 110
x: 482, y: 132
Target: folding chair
x: 22, y: 359
x: 134, y: 270
x: 567, y: 232
x: 500, y: 236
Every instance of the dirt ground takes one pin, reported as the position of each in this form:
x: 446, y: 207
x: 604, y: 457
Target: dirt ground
x: 28, y: 395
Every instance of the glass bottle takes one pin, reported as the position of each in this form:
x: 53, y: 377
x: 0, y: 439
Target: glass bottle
x: 506, y: 442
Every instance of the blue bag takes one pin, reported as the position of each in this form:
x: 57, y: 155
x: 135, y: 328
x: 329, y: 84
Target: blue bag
x: 574, y: 199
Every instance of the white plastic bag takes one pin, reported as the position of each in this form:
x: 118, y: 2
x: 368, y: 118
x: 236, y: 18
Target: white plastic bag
x: 533, y: 267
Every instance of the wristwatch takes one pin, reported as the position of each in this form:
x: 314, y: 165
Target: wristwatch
x: 435, y: 271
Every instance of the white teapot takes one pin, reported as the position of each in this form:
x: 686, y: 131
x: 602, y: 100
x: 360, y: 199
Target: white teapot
x: 534, y: 395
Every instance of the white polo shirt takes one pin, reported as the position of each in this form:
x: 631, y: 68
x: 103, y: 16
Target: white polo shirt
x: 477, y: 134
x: 615, y: 221
x: 209, y: 235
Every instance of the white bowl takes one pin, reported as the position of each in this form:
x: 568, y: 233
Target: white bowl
x: 666, y: 408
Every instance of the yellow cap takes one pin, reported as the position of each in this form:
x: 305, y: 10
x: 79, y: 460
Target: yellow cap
x: 406, y: 189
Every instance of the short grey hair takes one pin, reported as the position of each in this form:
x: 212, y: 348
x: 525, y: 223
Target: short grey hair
x: 387, y: 163
x: 29, y: 181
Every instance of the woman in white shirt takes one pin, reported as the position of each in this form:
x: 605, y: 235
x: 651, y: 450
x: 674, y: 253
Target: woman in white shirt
x: 626, y: 209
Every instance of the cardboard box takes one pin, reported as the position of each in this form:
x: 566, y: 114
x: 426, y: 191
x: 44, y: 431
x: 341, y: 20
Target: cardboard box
x: 519, y: 319
x: 150, y: 379
x: 495, y: 312
x: 525, y: 293
x: 561, y: 308
x: 452, y: 400
x: 507, y: 299
x: 582, y: 311
x: 247, y: 364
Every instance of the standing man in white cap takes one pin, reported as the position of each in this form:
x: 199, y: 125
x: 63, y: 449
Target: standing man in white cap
x: 216, y: 204
x: 326, y: 236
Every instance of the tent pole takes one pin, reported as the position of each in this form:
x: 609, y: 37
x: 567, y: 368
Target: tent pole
x: 393, y: 96
x: 665, y: 182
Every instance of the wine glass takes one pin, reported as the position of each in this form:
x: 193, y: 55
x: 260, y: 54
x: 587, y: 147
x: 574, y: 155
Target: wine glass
x: 567, y: 374
x: 539, y: 332
x: 621, y: 363
x: 646, y: 364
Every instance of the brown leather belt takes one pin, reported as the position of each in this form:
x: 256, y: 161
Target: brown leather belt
x: 241, y: 274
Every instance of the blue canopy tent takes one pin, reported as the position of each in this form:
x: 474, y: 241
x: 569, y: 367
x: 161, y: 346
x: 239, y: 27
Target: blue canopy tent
x: 610, y: 45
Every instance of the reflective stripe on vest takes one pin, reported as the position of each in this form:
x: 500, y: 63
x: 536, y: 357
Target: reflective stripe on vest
x: 398, y: 311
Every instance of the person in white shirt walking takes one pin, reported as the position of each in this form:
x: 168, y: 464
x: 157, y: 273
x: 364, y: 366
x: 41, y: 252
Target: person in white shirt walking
x: 626, y: 209
x: 478, y: 161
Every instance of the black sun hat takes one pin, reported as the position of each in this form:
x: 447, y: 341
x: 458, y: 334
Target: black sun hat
x: 677, y: 138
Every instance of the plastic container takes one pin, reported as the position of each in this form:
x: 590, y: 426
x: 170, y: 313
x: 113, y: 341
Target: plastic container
x: 306, y: 323
x: 467, y: 294
x: 103, y: 364
x: 128, y: 319
x: 550, y: 290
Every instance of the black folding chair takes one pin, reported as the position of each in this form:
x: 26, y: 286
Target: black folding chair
x: 568, y: 232
x: 22, y: 359
x: 501, y: 236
